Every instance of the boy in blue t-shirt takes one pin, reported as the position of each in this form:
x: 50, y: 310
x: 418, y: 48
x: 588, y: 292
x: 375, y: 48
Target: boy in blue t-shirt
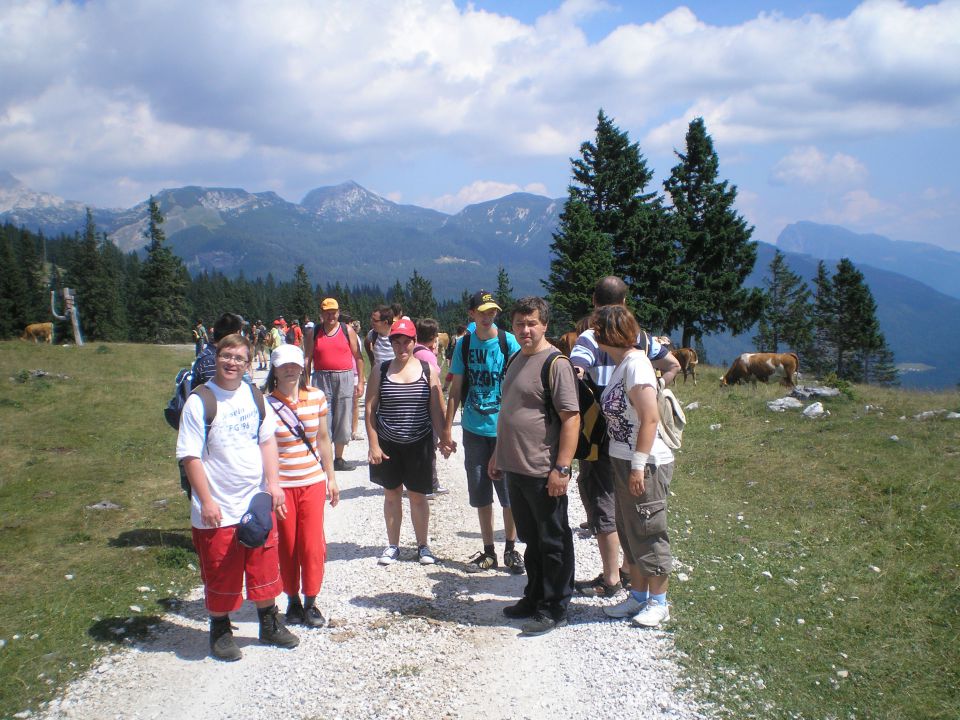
x: 488, y: 350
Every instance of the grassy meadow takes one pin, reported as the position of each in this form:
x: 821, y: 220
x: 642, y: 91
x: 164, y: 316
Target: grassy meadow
x: 819, y: 570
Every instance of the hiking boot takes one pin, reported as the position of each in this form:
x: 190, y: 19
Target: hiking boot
x: 481, y: 561
x: 312, y: 617
x: 340, y: 465
x: 274, y: 632
x: 513, y: 560
x: 426, y: 557
x: 541, y: 624
x: 596, y: 587
x: 389, y: 556
x: 222, y: 644
x: 523, y: 609
x: 652, y: 615
x: 295, y: 612
x: 626, y: 609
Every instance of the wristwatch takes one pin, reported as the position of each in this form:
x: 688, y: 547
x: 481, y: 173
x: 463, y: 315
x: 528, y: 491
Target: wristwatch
x: 564, y: 470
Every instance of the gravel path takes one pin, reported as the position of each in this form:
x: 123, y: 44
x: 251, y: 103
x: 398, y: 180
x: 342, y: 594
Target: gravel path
x: 405, y: 641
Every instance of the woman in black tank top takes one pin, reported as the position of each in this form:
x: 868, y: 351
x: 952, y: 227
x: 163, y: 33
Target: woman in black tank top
x: 403, y: 411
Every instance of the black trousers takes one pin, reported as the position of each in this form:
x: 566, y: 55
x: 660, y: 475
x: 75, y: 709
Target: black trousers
x: 542, y: 524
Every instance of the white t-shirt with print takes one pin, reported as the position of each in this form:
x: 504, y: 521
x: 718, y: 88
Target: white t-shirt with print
x: 622, y: 419
x: 231, y: 458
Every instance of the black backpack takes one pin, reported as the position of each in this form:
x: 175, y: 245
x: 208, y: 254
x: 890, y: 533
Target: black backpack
x: 593, y: 425
x: 465, y: 355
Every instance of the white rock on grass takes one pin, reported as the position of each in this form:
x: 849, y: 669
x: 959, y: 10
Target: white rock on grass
x: 783, y: 404
x: 815, y: 410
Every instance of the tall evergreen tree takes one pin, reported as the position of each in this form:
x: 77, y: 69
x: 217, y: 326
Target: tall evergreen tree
x: 581, y: 255
x: 716, y: 252
x: 13, y: 291
x: 504, y: 297
x: 856, y: 331
x: 610, y: 179
x: 824, y: 318
x: 396, y: 294
x: 786, y: 319
x: 163, y: 307
x: 420, y: 302
x: 301, y: 299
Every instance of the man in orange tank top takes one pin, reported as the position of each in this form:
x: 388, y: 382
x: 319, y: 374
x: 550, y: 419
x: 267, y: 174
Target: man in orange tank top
x: 332, y: 350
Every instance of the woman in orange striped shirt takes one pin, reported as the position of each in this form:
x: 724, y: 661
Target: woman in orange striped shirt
x: 307, y: 479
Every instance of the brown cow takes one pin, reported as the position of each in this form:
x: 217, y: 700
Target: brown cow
x: 762, y: 366
x: 687, y: 357
x: 443, y: 342
x: 39, y: 332
x: 567, y: 341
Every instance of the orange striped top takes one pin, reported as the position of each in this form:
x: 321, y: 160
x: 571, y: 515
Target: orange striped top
x: 298, y: 466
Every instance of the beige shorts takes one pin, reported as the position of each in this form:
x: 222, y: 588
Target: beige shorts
x: 642, y: 521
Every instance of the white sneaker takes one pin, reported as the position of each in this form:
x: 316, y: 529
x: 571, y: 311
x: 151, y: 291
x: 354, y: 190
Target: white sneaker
x: 390, y: 555
x: 628, y: 608
x: 426, y: 557
x: 652, y: 615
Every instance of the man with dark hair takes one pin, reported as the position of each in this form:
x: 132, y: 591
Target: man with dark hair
x: 478, y: 364
x: 377, y: 341
x: 595, y: 481
x: 536, y: 438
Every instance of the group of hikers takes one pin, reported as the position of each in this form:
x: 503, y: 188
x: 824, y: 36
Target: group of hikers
x: 262, y: 469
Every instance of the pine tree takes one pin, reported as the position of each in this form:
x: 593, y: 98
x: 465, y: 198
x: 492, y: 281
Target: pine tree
x: 714, y: 240
x: 786, y: 318
x: 301, y: 300
x: 581, y: 255
x: 857, y: 340
x: 163, y: 307
x: 396, y: 294
x: 420, y: 302
x: 12, y: 289
x: 504, y: 297
x: 610, y: 179
x: 824, y: 318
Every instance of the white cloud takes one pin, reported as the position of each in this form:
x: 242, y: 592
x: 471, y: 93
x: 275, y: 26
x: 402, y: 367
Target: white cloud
x: 480, y: 191
x: 858, y: 207
x: 810, y: 166
x: 282, y: 93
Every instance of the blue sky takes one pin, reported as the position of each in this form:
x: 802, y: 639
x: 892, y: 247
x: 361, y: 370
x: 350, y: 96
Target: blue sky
x: 837, y: 112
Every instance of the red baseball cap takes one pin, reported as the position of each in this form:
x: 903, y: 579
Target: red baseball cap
x: 403, y: 327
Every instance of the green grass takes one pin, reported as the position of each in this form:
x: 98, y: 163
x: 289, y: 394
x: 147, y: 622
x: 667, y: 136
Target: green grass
x: 69, y: 442
x: 814, y: 503
x: 860, y: 535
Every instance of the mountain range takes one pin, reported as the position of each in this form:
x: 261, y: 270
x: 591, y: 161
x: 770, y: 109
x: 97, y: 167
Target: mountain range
x: 348, y: 234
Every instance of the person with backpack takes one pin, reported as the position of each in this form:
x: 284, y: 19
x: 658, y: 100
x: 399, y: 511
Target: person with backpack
x: 535, y: 447
x: 595, y: 481
x: 428, y: 331
x: 277, y: 335
x: 478, y: 364
x: 200, y: 338
x: 404, y: 412
x: 228, y: 464
x: 642, y: 467
x: 294, y: 334
x: 205, y: 366
x: 260, y: 344
x: 307, y: 478
x: 376, y: 343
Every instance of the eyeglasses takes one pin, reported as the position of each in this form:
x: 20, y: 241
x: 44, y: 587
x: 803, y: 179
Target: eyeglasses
x: 237, y: 359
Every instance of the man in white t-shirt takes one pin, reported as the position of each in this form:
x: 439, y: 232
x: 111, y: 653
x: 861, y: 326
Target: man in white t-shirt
x: 228, y: 464
x: 377, y: 341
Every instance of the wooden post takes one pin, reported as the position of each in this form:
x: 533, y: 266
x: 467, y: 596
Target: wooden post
x: 70, y: 308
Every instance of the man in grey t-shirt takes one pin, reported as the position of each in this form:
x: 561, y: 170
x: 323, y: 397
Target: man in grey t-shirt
x: 535, y: 446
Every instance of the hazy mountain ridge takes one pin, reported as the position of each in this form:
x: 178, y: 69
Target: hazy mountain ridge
x: 348, y: 234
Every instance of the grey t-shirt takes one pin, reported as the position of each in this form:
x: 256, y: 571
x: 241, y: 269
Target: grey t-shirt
x: 526, y: 442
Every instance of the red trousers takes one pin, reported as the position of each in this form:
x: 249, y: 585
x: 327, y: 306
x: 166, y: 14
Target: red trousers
x: 225, y: 563
x: 303, y: 546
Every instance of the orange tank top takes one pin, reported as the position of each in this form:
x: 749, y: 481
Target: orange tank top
x: 332, y: 352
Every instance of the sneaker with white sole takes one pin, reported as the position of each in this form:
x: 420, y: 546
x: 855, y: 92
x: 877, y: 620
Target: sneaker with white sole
x: 426, y: 557
x: 652, y: 615
x: 389, y: 556
x: 628, y: 608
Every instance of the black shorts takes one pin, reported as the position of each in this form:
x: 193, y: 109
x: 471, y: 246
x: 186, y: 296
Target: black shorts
x: 409, y: 464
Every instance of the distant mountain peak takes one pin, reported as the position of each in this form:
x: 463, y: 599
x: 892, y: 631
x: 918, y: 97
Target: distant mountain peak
x: 8, y: 181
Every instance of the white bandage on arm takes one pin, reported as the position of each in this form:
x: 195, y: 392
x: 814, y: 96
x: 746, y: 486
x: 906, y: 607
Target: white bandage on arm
x: 639, y: 460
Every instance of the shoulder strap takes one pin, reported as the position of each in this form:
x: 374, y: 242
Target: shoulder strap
x: 464, y: 356
x: 383, y: 370
x: 426, y: 369
x: 502, y: 339
x: 261, y: 409
x: 545, y: 379
x: 209, y: 408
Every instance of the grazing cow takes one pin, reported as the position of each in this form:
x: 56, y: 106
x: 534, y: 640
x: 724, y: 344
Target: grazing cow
x: 687, y: 357
x: 762, y: 366
x: 567, y: 341
x: 39, y: 332
x: 443, y: 342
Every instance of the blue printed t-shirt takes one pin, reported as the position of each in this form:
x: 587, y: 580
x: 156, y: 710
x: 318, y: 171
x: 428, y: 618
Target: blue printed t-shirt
x: 485, y: 365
